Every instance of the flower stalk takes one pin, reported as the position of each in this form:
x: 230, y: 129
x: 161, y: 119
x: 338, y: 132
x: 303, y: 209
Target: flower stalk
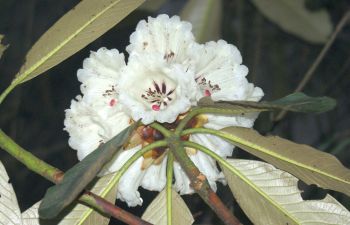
x: 200, y: 183
x: 55, y: 175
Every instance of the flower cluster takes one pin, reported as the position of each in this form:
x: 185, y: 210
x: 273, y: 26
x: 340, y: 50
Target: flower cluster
x: 167, y: 72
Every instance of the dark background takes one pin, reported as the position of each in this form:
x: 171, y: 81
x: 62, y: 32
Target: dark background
x: 33, y: 113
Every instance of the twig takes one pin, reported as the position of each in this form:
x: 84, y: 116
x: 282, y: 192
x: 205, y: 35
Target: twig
x: 200, y: 183
x: 55, y: 175
x: 316, y: 63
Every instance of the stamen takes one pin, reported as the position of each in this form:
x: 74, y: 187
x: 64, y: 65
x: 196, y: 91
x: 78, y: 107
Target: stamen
x: 207, y: 93
x: 112, y: 102
x: 156, y: 107
x: 158, y: 95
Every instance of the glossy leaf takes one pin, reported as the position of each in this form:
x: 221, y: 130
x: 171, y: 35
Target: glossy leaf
x: 81, y: 25
x: 78, y: 177
x: 205, y: 16
x: 78, y: 214
x: 293, y: 17
x: 156, y: 212
x: 308, y: 164
x: 296, y: 102
x: 271, y: 196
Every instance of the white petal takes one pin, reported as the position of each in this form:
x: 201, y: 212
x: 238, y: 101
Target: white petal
x: 88, y: 127
x: 182, y: 183
x: 129, y: 184
x: 219, y: 72
x: 155, y: 177
x: 164, y: 36
x: 103, y: 63
x: 153, y: 90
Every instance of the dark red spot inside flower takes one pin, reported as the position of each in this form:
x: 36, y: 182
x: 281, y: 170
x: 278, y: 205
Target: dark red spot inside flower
x: 207, y: 93
x: 156, y: 107
x: 112, y: 102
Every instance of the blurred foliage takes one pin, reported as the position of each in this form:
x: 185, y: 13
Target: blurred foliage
x: 33, y: 114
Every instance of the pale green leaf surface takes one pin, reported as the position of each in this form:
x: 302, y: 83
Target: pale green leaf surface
x: 284, y: 204
x: 294, y: 18
x: 79, y: 214
x: 83, y: 24
x: 205, y: 16
x: 156, y: 212
x: 307, y: 163
x: 10, y: 213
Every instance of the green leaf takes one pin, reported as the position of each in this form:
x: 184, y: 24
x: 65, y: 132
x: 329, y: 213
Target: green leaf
x: 308, y: 164
x: 78, y: 177
x: 296, y: 102
x: 156, y: 212
x: 78, y: 214
x: 2, y: 47
x: 9, y: 209
x: 294, y: 18
x: 81, y: 25
x: 277, y: 196
x: 205, y: 16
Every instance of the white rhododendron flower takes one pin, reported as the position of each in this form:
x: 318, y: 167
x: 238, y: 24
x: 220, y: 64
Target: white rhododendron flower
x: 167, y: 72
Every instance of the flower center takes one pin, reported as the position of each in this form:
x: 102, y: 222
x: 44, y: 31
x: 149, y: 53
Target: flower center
x: 206, y: 86
x: 159, y: 95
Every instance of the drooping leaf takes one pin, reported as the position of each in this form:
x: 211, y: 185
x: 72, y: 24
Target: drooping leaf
x: 271, y: 196
x: 78, y: 177
x: 296, y: 102
x: 205, y: 16
x: 294, y: 18
x: 81, y: 25
x: 156, y: 212
x: 10, y: 213
x: 78, y: 214
x: 307, y: 163
x: 2, y: 47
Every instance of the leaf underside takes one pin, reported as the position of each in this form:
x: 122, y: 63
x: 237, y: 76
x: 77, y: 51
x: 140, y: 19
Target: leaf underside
x: 284, y: 204
x: 308, y: 164
x: 87, y: 21
x: 78, y: 214
x: 156, y: 212
x: 10, y: 213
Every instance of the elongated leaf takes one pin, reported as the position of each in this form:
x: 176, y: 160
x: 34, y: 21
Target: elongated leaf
x: 271, y: 196
x: 281, y: 187
x: 296, y: 102
x: 308, y: 164
x: 80, y: 26
x: 78, y: 177
x: 205, y: 16
x: 156, y: 212
x: 10, y: 213
x: 293, y: 17
x: 79, y: 214
x: 2, y: 47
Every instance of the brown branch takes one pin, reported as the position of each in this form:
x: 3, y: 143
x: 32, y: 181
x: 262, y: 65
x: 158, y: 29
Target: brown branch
x: 55, y: 175
x: 114, y: 211
x: 200, y: 183
x: 318, y: 60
